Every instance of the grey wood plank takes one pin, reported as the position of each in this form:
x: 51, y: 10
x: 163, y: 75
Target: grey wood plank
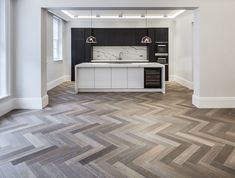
x: 109, y: 135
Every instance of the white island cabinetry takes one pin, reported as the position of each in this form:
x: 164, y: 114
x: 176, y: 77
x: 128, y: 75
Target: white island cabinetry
x: 108, y: 77
x: 135, y: 78
x: 119, y: 78
x: 86, y: 78
x: 102, y: 77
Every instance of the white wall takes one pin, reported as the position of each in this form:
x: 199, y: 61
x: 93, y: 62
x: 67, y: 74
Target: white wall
x: 214, y: 66
x: 215, y: 54
x: 183, y: 49
x: 55, y: 69
x: 117, y: 24
x: 3, y: 52
x: 6, y: 104
x: 27, y: 51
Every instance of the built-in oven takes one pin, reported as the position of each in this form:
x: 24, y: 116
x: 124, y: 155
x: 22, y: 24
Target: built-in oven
x: 162, y: 56
x: 161, y: 48
x: 164, y: 60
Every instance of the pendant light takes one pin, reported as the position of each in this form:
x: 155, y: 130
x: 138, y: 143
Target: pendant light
x: 146, y: 39
x: 91, y: 39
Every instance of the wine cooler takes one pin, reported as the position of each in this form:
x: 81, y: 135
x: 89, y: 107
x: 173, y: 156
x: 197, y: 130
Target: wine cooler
x: 152, y: 78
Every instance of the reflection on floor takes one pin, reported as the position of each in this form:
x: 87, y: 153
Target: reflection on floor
x: 118, y: 135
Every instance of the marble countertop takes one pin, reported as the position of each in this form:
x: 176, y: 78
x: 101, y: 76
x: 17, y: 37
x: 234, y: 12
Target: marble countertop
x: 113, y: 65
x: 119, y: 61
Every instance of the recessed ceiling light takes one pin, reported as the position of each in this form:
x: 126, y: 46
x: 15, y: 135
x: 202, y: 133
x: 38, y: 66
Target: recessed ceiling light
x: 120, y: 15
x: 165, y: 16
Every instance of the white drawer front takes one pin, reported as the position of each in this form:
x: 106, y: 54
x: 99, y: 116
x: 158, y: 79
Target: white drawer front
x: 119, y: 77
x: 86, y: 78
x: 135, y: 78
x: 102, y: 77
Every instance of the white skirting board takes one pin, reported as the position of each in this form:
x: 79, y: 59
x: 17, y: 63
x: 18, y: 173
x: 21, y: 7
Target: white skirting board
x: 55, y: 83
x: 6, y: 106
x: 182, y: 81
x: 30, y: 103
x: 23, y: 103
x: 213, y: 102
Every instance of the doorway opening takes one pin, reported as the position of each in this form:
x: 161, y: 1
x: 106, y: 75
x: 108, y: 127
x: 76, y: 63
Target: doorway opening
x: 182, y: 47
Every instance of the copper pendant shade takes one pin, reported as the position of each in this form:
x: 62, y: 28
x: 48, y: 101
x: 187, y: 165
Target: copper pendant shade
x: 146, y: 39
x: 91, y: 39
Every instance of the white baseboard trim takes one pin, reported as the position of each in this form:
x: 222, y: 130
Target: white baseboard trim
x: 213, y: 102
x: 6, y: 106
x: 182, y: 81
x: 31, y: 103
x: 23, y: 103
x: 45, y: 101
x: 56, y: 82
x: 171, y: 78
x: 67, y: 78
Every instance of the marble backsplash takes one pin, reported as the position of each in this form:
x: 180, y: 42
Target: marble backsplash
x: 113, y: 53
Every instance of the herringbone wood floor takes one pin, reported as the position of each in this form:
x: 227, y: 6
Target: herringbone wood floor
x: 118, y: 135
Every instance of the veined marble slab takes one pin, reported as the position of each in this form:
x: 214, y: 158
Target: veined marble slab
x: 120, y: 65
x: 112, y: 53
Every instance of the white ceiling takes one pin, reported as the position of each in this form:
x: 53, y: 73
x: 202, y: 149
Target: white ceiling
x: 71, y: 15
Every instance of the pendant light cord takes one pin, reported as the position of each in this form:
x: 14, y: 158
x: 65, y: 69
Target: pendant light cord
x: 91, y: 19
x: 146, y: 19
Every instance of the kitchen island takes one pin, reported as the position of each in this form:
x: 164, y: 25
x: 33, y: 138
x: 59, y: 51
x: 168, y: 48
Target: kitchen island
x: 120, y: 77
